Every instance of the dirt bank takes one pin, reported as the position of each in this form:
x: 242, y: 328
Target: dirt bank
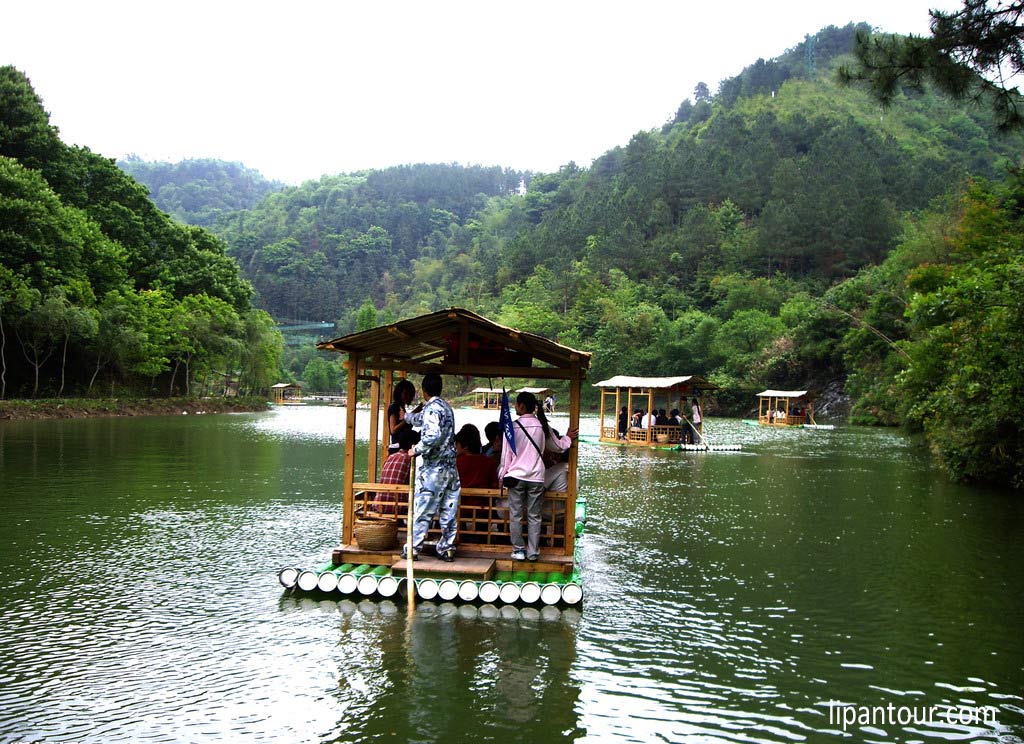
x: 23, y: 410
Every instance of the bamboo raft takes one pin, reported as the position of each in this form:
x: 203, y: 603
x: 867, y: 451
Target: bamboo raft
x: 644, y: 393
x: 788, y: 408
x: 452, y: 342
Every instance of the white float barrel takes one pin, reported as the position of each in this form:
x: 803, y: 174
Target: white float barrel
x: 426, y: 588
x: 529, y: 592
x: 288, y: 577
x: 469, y: 591
x: 448, y: 589
x: 488, y: 591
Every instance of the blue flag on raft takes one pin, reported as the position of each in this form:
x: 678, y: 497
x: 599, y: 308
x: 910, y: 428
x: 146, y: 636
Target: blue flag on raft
x: 505, y: 421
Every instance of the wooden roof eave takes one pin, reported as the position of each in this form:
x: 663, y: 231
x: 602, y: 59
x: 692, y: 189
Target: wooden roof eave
x: 413, y: 345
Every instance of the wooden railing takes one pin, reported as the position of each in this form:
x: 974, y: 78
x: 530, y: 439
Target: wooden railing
x: 483, y: 514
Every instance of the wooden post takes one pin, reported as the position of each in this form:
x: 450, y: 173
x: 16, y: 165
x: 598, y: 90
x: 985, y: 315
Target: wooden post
x: 619, y: 406
x: 371, y: 464
x: 389, y: 386
x: 574, y: 423
x: 650, y: 418
x: 348, y: 509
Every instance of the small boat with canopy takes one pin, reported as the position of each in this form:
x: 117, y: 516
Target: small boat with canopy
x: 626, y: 395
x: 792, y: 408
x: 287, y: 394
x: 454, y: 343
x: 485, y: 397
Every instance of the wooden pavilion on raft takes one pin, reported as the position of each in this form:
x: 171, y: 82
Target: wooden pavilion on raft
x: 649, y: 394
x: 484, y: 397
x: 454, y: 343
x: 787, y: 408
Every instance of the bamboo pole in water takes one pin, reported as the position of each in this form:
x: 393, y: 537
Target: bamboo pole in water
x: 409, y: 580
x: 368, y: 582
x: 425, y: 588
x: 572, y: 592
x: 529, y: 592
x: 288, y: 577
x: 308, y: 579
x: 509, y: 592
x: 448, y: 589
x: 488, y: 591
x: 551, y: 592
x: 347, y: 583
x: 469, y: 590
x: 388, y: 586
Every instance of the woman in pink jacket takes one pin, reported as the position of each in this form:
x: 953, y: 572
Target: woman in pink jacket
x: 522, y: 473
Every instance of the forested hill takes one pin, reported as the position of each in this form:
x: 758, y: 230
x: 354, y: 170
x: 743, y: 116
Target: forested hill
x: 321, y: 249
x: 784, y: 231
x: 199, y: 192
x: 782, y: 174
x: 99, y: 289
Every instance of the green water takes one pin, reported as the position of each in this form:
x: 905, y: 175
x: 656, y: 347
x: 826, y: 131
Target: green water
x: 730, y: 597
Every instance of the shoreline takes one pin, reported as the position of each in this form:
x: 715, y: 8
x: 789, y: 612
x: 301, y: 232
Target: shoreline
x: 73, y: 408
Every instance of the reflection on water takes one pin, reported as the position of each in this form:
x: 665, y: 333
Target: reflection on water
x: 732, y: 596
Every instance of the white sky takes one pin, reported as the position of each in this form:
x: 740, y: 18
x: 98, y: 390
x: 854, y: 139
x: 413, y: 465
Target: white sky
x: 303, y: 88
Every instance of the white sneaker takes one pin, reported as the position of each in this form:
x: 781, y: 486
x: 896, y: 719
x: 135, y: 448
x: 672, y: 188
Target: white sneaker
x: 519, y: 555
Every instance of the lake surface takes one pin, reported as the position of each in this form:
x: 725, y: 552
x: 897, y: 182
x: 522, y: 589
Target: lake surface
x: 753, y: 596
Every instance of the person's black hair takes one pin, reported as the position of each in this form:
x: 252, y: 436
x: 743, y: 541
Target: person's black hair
x: 432, y: 384
x: 396, y: 394
x: 469, y: 437
x: 491, y: 430
x: 544, y: 423
x: 407, y: 438
x: 527, y: 400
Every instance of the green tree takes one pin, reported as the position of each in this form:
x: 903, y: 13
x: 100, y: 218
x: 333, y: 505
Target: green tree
x: 366, y: 318
x: 25, y: 131
x: 965, y: 381
x: 260, y: 353
x: 744, y: 337
x: 321, y: 375
x: 975, y: 53
x: 15, y: 298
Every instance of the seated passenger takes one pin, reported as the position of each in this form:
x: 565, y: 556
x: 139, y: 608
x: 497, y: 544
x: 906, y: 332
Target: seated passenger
x: 492, y: 432
x: 475, y: 470
x: 396, y: 471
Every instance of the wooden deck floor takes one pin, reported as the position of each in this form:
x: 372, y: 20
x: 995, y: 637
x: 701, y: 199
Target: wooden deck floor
x: 468, y: 563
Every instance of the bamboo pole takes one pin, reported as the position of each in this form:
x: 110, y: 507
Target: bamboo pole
x: 410, y: 513
x: 288, y: 576
x: 389, y: 386
x: 371, y: 465
x: 348, y: 505
x: 488, y: 591
x: 448, y: 589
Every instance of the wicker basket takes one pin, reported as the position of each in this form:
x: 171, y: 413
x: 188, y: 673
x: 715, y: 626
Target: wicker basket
x: 661, y: 438
x: 375, y: 533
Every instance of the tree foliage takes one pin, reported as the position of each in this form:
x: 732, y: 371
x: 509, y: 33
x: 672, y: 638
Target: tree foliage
x: 97, y: 282
x: 975, y: 53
